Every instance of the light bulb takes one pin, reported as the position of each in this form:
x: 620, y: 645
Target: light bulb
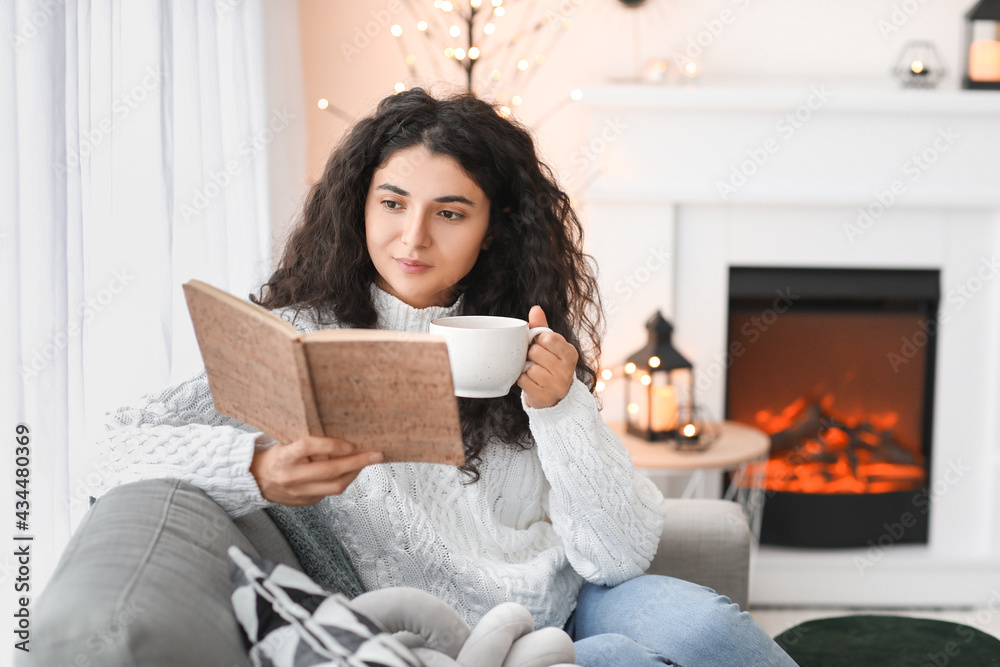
x: 400, y: 87
x: 323, y: 103
x: 633, y: 408
x: 654, y: 362
x: 515, y: 100
x: 522, y: 65
x: 422, y: 26
x: 454, y: 31
x: 489, y: 28
x: 460, y: 54
x: 599, y: 386
x: 645, y: 379
x: 396, y: 30
x: 499, y: 11
x: 473, y: 53
x: 606, y: 374
x: 411, y: 60
x: 630, y: 368
x: 505, y: 111
x: 446, y: 6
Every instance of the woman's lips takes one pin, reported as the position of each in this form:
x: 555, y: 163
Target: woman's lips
x: 411, y: 266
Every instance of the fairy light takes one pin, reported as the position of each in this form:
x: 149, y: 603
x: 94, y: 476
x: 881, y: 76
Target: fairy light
x: 689, y: 430
x: 422, y: 26
x: 323, y: 103
x: 599, y: 386
x: 515, y: 100
x: 654, y: 362
x: 489, y: 28
x: 400, y: 87
x: 459, y: 54
x: 606, y: 374
x: 633, y: 408
x: 499, y: 11
x: 630, y: 368
x: 539, y: 59
x: 691, y: 68
x: 396, y: 30
x: 454, y: 31
x: 522, y: 64
x: 495, y: 75
x: 576, y: 94
x: 497, y: 3
x: 449, y: 52
x: 446, y: 6
x: 411, y: 60
x: 473, y: 53
x: 505, y: 111
x: 645, y: 379
x: 475, y: 3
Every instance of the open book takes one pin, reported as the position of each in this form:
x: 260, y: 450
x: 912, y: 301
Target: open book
x: 387, y: 391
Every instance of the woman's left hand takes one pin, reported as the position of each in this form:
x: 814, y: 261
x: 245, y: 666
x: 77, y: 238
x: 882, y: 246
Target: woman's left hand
x: 548, y: 380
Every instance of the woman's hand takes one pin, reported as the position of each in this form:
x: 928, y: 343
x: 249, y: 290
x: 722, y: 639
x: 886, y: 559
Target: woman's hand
x: 548, y: 380
x: 307, y: 470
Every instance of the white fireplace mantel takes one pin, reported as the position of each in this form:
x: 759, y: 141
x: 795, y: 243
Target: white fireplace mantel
x: 859, y: 179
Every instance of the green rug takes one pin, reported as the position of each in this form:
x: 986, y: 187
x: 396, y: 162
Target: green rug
x: 888, y: 641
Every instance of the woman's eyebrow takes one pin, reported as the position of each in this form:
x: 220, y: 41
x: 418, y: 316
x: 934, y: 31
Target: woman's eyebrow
x: 447, y: 199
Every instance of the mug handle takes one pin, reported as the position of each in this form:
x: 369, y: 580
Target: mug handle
x: 531, y: 336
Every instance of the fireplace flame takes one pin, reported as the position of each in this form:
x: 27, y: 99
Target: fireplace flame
x: 815, y: 450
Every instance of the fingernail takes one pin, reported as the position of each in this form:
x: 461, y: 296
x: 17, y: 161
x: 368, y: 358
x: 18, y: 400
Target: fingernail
x: 375, y: 457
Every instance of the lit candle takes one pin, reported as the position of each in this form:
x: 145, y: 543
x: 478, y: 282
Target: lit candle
x: 664, y: 408
x: 984, y: 60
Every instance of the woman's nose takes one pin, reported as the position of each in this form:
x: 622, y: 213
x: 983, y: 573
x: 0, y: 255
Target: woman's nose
x: 416, y: 232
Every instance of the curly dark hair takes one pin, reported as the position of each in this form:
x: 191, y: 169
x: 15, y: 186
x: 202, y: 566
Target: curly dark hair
x: 535, y: 255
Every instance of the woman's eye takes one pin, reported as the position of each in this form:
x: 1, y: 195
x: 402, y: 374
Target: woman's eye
x: 392, y: 205
x: 451, y: 215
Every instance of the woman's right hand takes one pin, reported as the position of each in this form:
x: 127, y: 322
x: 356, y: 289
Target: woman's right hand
x: 307, y: 470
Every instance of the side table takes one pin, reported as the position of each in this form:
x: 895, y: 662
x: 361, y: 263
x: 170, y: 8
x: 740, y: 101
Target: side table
x: 737, y: 446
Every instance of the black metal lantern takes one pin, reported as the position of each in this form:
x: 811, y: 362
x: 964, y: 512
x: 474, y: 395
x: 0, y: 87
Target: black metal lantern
x: 660, y: 386
x: 982, y: 46
x: 919, y: 65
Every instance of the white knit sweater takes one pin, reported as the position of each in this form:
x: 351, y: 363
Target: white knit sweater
x: 535, y: 526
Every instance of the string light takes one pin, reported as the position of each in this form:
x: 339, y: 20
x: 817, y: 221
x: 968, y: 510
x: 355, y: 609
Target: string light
x: 411, y: 60
x: 633, y: 408
x: 522, y: 64
x: 654, y: 362
x: 499, y: 11
x: 489, y: 28
x: 459, y: 54
x: 505, y: 111
x: 599, y: 386
x: 396, y: 30
x: 576, y: 95
x: 446, y: 6
x: 323, y: 103
x: 422, y: 26
x: 400, y: 87
x: 516, y: 100
x: 475, y: 3
x: 495, y: 75
x: 497, y: 3
x: 645, y: 379
x: 606, y: 374
x: 454, y: 31
x: 630, y: 368
x: 473, y: 53
x: 449, y: 52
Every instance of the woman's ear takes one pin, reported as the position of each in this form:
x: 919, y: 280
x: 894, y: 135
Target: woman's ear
x: 487, y: 241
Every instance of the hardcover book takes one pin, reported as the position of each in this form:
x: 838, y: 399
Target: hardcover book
x: 386, y: 391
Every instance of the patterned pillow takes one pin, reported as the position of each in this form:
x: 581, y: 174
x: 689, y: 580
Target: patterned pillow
x: 290, y: 621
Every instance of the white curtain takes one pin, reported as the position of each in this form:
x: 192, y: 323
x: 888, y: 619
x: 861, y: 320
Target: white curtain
x: 135, y: 152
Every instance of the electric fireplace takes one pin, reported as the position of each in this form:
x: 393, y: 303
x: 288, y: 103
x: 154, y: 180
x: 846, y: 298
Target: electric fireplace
x: 837, y: 366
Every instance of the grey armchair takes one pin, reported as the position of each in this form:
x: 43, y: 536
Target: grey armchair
x: 144, y: 579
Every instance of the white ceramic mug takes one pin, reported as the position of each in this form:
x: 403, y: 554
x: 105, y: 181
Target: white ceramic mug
x: 487, y: 353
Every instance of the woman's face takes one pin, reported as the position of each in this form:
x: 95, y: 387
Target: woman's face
x: 425, y: 223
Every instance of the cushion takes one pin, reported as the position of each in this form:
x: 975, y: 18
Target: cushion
x: 290, y: 621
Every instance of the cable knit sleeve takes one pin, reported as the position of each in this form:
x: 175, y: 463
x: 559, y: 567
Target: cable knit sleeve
x: 177, y: 433
x: 609, y: 517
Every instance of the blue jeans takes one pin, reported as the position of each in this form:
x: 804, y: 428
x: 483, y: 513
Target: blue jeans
x: 657, y: 620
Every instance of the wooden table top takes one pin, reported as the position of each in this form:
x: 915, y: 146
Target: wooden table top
x: 737, y: 443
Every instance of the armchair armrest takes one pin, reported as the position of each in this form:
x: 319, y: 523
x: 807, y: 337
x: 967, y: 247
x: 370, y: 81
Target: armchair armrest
x: 706, y: 542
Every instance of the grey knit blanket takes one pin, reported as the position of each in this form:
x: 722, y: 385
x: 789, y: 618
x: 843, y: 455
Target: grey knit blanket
x: 320, y: 553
